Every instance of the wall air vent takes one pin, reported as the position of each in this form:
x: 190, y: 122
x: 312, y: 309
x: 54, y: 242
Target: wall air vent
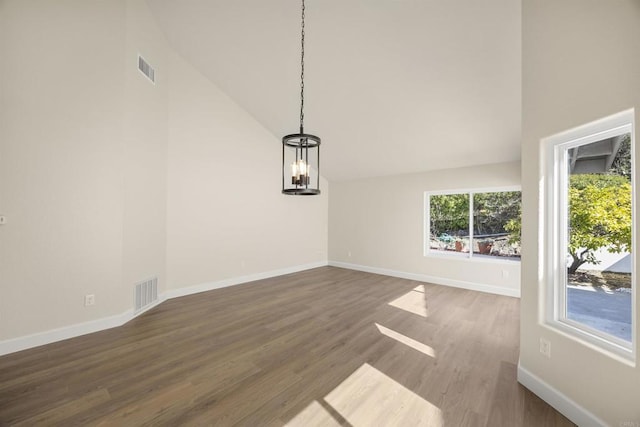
x: 146, y: 293
x: 146, y: 69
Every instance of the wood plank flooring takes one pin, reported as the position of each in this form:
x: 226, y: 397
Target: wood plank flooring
x: 322, y: 347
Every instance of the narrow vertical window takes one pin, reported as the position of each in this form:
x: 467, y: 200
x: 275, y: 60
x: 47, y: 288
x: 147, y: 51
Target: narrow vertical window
x: 590, y: 230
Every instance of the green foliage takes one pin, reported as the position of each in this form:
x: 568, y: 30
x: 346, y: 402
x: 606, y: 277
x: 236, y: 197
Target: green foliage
x: 449, y: 214
x: 599, y: 216
x: 600, y: 181
x: 494, y: 211
x: 514, y: 227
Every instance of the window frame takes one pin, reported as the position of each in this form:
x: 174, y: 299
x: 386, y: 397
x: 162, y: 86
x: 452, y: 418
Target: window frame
x: 554, y: 233
x: 428, y: 252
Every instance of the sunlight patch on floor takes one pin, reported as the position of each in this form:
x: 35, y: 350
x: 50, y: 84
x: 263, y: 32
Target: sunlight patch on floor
x: 413, y: 302
x: 369, y: 397
x: 416, y: 345
x: 313, y: 415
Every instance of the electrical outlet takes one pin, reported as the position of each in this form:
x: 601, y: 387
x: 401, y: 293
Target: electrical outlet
x: 545, y: 347
x: 349, y: 254
x: 89, y: 300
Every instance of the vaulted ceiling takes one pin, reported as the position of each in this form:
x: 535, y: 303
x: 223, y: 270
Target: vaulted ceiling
x: 391, y: 86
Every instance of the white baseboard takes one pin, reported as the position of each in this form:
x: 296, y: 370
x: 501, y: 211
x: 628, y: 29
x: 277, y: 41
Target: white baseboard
x: 47, y: 337
x: 474, y: 286
x: 66, y: 332
x: 76, y: 330
x: 563, y: 404
x: 204, y: 287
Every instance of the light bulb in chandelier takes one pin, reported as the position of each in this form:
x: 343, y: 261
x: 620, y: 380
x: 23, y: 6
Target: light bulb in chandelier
x: 300, y: 172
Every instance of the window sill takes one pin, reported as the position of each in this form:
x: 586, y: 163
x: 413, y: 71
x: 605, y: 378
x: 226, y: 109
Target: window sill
x: 464, y: 256
x: 622, y: 353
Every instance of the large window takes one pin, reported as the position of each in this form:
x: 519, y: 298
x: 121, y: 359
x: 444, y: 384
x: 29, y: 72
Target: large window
x: 590, y: 232
x: 482, y: 224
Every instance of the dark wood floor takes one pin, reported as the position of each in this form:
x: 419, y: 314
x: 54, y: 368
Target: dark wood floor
x: 323, y: 347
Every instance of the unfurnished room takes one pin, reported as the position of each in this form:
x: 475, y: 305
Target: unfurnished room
x: 319, y: 213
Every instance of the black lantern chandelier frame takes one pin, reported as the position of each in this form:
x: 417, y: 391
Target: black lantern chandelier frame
x: 305, y: 145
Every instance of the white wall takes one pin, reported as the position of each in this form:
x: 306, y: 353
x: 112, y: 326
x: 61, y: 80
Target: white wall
x: 94, y: 204
x: 226, y: 216
x: 581, y: 63
x: 145, y: 153
x: 380, y: 221
x: 61, y: 151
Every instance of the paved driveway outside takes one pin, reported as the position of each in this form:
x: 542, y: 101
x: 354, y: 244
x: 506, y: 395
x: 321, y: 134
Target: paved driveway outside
x: 604, y: 311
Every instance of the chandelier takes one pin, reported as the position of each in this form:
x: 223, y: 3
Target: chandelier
x: 301, y: 151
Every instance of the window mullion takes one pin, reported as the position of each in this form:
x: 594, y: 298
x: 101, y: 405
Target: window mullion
x: 427, y: 206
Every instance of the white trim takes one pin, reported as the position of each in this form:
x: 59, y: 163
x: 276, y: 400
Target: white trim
x: 563, y: 404
x: 463, y: 256
x: 502, y: 189
x: 426, y: 234
x: 481, y: 287
x: 204, y: 287
x: 426, y: 231
x: 555, y: 225
x: 594, y: 342
x: 66, y: 332
x: 600, y: 126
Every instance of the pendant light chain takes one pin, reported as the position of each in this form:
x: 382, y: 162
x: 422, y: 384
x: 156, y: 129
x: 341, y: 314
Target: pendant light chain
x: 302, y: 74
x: 301, y: 151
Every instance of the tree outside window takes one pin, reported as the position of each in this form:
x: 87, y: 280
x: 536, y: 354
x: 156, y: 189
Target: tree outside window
x: 481, y: 224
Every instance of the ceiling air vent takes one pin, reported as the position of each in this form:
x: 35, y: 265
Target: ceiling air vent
x: 146, y: 69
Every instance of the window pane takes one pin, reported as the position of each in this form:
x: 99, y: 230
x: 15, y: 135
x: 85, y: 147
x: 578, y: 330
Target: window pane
x: 449, y: 222
x: 599, y: 230
x: 496, y: 224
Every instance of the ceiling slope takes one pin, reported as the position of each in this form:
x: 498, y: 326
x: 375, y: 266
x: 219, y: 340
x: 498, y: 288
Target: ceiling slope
x: 391, y: 86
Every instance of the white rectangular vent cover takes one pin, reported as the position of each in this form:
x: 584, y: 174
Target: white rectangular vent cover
x: 146, y: 69
x: 146, y: 293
